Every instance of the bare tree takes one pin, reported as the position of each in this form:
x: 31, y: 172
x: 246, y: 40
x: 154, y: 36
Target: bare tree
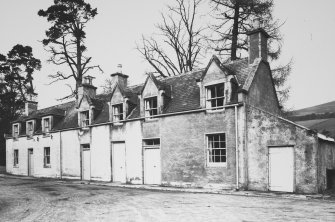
x: 65, y: 38
x: 233, y: 19
x: 178, y: 45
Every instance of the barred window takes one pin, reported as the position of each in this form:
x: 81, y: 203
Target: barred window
x: 215, y: 96
x: 46, y: 156
x: 16, y: 157
x: 216, y: 149
x: 151, y: 106
x: 117, y: 112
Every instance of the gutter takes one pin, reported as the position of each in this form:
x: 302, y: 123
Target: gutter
x: 142, y: 118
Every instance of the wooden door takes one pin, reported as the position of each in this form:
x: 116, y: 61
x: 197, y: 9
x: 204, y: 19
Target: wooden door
x: 152, y: 166
x: 119, y: 162
x: 281, y: 169
x: 86, y: 164
x: 30, y: 162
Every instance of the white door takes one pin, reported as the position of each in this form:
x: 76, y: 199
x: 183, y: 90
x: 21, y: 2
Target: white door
x: 30, y: 162
x: 119, y: 162
x: 86, y: 164
x: 281, y: 169
x: 152, y: 166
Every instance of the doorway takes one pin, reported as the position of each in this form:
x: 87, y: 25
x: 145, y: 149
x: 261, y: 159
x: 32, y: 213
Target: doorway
x: 30, y: 162
x: 281, y: 169
x: 119, y: 173
x: 86, y: 162
x: 330, y: 179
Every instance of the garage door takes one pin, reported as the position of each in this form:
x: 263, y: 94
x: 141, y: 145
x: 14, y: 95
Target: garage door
x: 281, y: 169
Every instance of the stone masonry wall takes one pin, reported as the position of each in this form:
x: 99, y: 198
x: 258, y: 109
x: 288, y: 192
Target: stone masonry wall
x: 264, y: 130
x: 183, y: 148
x: 326, y: 160
x: 262, y: 93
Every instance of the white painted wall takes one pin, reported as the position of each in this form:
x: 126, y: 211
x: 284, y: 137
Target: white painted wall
x: 100, y: 153
x: 37, y: 143
x: 133, y: 139
x: 70, y: 154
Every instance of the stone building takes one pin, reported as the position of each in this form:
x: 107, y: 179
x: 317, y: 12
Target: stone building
x: 216, y: 127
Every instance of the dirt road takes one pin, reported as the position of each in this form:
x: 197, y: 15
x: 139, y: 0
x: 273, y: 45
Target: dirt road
x: 24, y: 199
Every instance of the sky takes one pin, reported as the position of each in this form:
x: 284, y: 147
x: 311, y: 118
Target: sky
x: 308, y: 33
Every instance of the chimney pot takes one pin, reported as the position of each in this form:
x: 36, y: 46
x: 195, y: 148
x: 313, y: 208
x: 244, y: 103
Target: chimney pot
x: 119, y: 77
x: 119, y: 68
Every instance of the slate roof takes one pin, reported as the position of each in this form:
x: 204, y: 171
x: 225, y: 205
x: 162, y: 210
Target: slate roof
x: 182, y: 90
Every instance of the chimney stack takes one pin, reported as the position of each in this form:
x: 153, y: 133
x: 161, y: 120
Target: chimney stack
x: 258, y: 47
x: 119, y: 78
x: 31, y: 103
x: 87, y: 88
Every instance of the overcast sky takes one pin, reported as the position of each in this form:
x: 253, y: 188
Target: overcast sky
x: 308, y: 39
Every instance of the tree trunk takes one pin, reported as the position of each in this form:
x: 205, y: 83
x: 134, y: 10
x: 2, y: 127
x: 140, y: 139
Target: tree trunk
x: 79, y: 78
x: 235, y: 32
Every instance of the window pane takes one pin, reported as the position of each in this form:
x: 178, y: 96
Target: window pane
x: 220, y: 102
x: 220, y: 90
x: 213, y: 94
x: 154, y: 102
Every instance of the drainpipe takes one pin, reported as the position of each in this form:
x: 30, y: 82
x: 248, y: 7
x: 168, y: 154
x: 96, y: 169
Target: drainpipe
x: 236, y: 149
x: 61, y: 155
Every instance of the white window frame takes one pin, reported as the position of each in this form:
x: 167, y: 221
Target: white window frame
x: 16, y: 134
x: 209, y: 98
x: 16, y: 158
x: 149, y: 106
x: 30, y: 132
x: 209, y: 149
x: 117, y: 110
x: 47, y: 164
x: 153, y: 145
x: 46, y: 120
x: 85, y: 121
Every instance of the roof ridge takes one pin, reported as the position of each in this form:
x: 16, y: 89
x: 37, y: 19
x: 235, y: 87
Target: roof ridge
x: 56, y: 106
x: 234, y: 61
x: 183, y: 74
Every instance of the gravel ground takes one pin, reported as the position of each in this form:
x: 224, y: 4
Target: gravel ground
x: 24, y: 199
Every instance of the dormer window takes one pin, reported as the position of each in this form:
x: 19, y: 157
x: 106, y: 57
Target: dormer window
x: 215, y: 96
x: 151, y: 108
x: 16, y: 130
x: 30, y: 128
x: 46, y: 125
x: 117, y: 112
x: 85, y: 118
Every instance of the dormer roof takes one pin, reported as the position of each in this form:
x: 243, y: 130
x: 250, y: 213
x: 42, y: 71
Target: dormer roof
x: 182, y: 89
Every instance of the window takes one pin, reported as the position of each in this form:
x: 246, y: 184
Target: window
x: 16, y: 157
x: 117, y: 112
x: 30, y: 127
x: 46, y: 156
x: 16, y: 130
x: 151, y: 142
x: 216, y: 149
x: 85, y: 121
x: 46, y: 124
x: 151, y: 106
x: 215, y: 96
x: 85, y: 146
